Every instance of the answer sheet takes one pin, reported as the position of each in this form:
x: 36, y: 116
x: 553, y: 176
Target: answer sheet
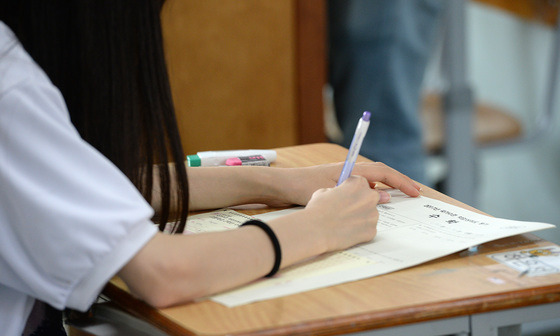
x: 411, y: 231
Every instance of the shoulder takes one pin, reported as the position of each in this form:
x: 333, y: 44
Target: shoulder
x: 16, y: 66
x: 24, y: 87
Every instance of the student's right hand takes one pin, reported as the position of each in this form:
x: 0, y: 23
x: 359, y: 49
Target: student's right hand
x: 334, y: 219
x: 347, y: 214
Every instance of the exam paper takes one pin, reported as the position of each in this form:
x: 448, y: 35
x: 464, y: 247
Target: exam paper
x: 411, y: 231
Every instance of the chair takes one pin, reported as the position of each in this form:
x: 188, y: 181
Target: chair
x: 493, y: 125
x: 106, y: 319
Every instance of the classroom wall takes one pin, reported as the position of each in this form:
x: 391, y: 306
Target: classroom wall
x: 509, y: 66
x: 232, y: 72
x: 244, y: 74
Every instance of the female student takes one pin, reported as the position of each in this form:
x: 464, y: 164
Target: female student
x: 89, y: 148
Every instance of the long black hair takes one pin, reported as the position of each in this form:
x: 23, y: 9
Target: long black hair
x: 107, y: 59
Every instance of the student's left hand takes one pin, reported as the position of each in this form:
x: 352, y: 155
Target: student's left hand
x: 297, y: 185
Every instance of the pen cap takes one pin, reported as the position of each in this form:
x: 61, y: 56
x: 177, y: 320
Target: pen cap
x: 193, y: 160
x: 366, y: 116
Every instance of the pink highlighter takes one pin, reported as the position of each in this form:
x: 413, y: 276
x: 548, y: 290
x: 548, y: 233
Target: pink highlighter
x: 251, y: 160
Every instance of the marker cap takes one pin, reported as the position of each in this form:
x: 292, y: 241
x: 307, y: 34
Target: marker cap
x: 193, y: 160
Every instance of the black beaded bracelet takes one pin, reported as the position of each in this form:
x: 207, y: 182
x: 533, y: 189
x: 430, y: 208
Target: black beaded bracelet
x: 275, y: 244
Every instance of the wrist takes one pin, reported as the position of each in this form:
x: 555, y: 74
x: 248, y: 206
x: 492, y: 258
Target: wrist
x: 273, y: 187
x: 301, y: 236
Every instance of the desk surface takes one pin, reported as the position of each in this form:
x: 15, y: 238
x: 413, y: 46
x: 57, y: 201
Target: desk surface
x: 452, y: 286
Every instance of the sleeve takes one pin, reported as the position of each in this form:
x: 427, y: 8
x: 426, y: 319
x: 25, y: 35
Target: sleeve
x: 69, y: 219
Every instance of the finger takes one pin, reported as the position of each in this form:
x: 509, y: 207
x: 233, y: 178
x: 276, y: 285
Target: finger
x: 384, y: 197
x: 408, y: 187
x: 380, y: 172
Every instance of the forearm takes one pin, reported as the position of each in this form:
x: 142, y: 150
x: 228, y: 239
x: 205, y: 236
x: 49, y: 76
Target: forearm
x: 217, y: 187
x: 177, y: 269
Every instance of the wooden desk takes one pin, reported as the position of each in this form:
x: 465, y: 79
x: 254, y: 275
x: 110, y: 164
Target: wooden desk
x: 447, y: 292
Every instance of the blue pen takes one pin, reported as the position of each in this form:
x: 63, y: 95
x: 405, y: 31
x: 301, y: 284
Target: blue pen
x: 355, y: 146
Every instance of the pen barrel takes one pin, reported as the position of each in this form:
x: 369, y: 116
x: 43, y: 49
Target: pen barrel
x: 354, y: 150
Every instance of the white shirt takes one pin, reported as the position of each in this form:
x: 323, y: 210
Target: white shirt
x: 69, y: 219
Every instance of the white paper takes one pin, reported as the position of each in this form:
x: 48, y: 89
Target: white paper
x: 532, y: 262
x: 410, y: 231
x: 219, y: 220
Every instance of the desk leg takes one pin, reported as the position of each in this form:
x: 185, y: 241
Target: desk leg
x: 508, y: 322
